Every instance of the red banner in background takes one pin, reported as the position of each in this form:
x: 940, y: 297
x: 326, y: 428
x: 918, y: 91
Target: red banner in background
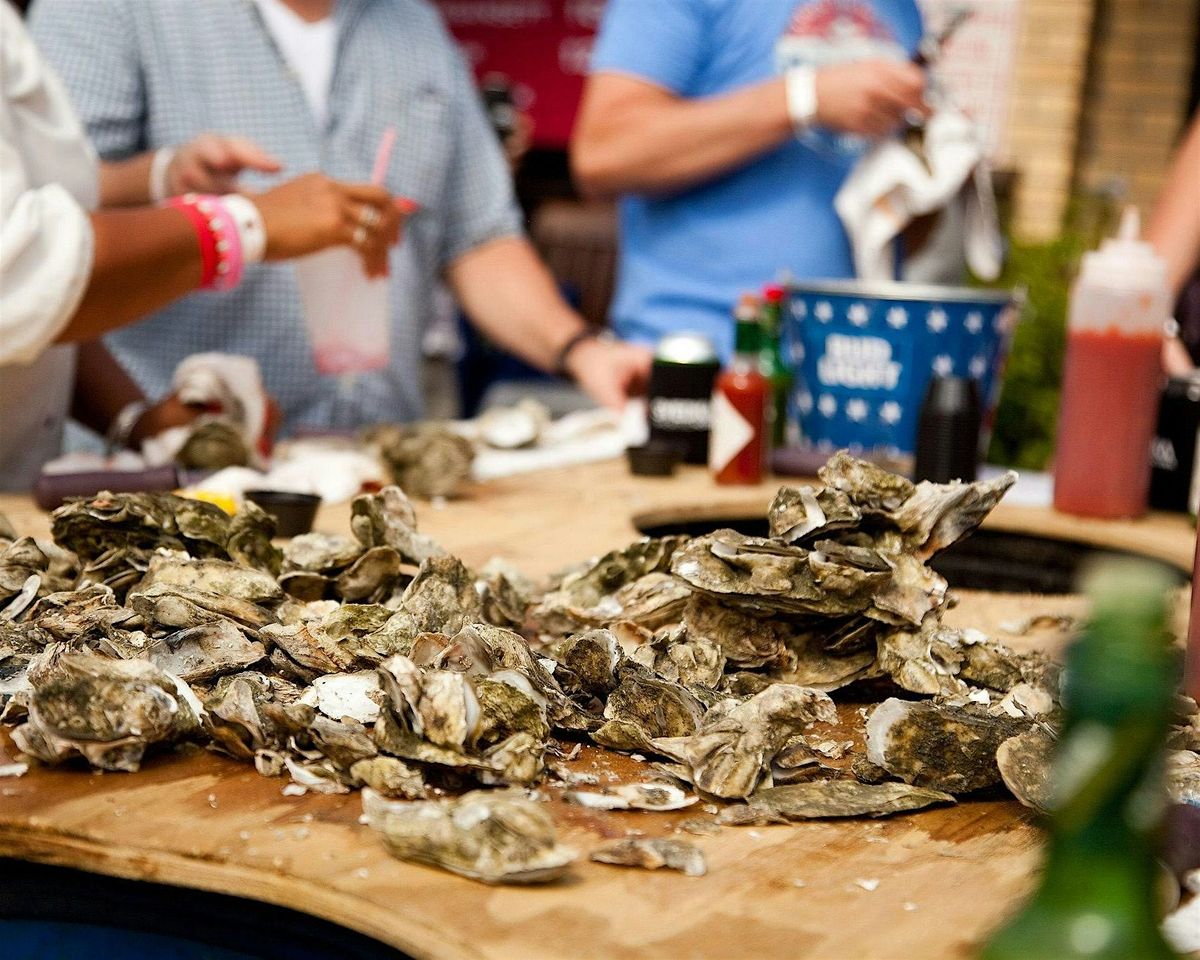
x: 540, y: 46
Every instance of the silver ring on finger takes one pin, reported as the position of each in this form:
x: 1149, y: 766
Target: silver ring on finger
x: 359, y: 237
x: 369, y: 217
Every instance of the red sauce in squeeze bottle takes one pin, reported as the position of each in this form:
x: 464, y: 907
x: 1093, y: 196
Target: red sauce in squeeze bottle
x: 737, y: 450
x: 1112, y: 378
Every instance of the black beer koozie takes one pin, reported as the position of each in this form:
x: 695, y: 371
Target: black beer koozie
x: 681, y: 385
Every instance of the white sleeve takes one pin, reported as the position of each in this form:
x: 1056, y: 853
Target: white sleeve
x: 45, y: 261
x: 45, y: 233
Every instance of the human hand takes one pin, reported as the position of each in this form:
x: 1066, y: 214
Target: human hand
x: 1176, y: 360
x: 610, y: 371
x: 869, y: 97
x: 313, y: 212
x: 164, y: 414
x: 210, y: 163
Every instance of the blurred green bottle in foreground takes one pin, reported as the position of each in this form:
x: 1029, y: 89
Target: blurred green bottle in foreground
x: 1097, y: 897
x: 772, y: 364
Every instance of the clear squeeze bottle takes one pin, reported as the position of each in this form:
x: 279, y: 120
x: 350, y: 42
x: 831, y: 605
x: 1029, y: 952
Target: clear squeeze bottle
x: 1112, y: 378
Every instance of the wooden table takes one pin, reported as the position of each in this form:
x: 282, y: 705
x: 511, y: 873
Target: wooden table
x: 924, y: 885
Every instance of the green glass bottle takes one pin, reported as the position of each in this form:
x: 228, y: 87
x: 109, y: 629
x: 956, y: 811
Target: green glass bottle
x: 1097, y: 897
x: 772, y: 364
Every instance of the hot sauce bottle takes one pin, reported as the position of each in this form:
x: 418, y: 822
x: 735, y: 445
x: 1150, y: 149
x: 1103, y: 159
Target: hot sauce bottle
x: 737, y: 450
x: 1112, y: 378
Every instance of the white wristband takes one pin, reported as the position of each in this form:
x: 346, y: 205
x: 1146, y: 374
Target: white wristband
x: 800, y: 84
x: 251, y: 231
x: 159, y: 189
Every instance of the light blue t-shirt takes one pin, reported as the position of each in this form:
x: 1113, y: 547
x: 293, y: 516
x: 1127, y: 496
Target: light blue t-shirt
x: 686, y: 257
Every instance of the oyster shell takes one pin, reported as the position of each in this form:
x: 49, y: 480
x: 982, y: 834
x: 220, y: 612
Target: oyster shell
x: 587, y: 663
x: 338, y: 695
x: 1025, y: 763
x: 494, y: 837
x: 592, y: 595
x: 441, y: 599
x: 931, y: 744
x: 1183, y: 776
x: 766, y: 577
x: 371, y: 578
x: 426, y: 459
x: 870, y: 488
x: 108, y: 711
x: 505, y: 594
x: 677, y: 656
x: 387, y: 519
x: 212, y: 577
x: 649, y: 854
x: 633, y: 796
x: 205, y: 651
x: 246, y: 715
x: 390, y: 778
x: 347, y: 639
x: 801, y: 514
x: 643, y: 709
x: 744, y: 639
x: 316, y: 552
x: 213, y: 443
x: 164, y: 605
x: 733, y: 749
x: 835, y: 798
x: 510, y: 428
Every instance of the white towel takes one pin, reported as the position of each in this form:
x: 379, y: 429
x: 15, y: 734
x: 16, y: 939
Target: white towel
x: 891, y: 186
x: 231, y: 387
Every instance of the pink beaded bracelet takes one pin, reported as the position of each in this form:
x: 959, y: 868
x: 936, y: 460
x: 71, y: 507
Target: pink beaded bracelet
x: 220, y: 241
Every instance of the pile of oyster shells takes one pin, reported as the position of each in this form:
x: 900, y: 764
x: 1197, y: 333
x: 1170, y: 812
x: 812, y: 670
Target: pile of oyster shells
x: 377, y: 660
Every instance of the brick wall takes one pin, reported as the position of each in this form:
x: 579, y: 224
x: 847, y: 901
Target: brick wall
x: 1099, y: 97
x: 1140, y: 70
x: 1044, y: 110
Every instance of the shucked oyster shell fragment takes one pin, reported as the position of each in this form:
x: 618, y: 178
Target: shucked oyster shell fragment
x: 732, y: 750
x: 838, y: 798
x: 651, y: 854
x: 495, y: 837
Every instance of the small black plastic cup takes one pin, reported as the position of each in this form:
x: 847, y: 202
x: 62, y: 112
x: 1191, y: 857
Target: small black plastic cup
x: 948, y: 431
x: 294, y: 512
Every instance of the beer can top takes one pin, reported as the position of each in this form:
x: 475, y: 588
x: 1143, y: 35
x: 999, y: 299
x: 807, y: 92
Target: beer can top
x: 686, y: 347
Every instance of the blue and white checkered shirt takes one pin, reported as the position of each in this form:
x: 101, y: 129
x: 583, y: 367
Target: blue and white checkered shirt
x: 149, y: 73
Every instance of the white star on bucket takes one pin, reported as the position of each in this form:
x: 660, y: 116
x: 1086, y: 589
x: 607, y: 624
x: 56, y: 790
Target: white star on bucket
x: 858, y: 314
x: 857, y: 409
x: 937, y: 320
x: 797, y: 353
x: 890, y: 412
x: 943, y: 366
x: 824, y: 311
x: 804, y: 402
x: 897, y: 318
x: 974, y: 321
x: 827, y: 405
x: 978, y: 366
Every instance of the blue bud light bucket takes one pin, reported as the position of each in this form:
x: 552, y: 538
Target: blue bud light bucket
x: 863, y: 353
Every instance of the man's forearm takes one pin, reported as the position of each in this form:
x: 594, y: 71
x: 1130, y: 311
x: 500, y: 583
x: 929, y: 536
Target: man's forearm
x: 635, y: 137
x: 511, y: 297
x: 1174, y: 226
